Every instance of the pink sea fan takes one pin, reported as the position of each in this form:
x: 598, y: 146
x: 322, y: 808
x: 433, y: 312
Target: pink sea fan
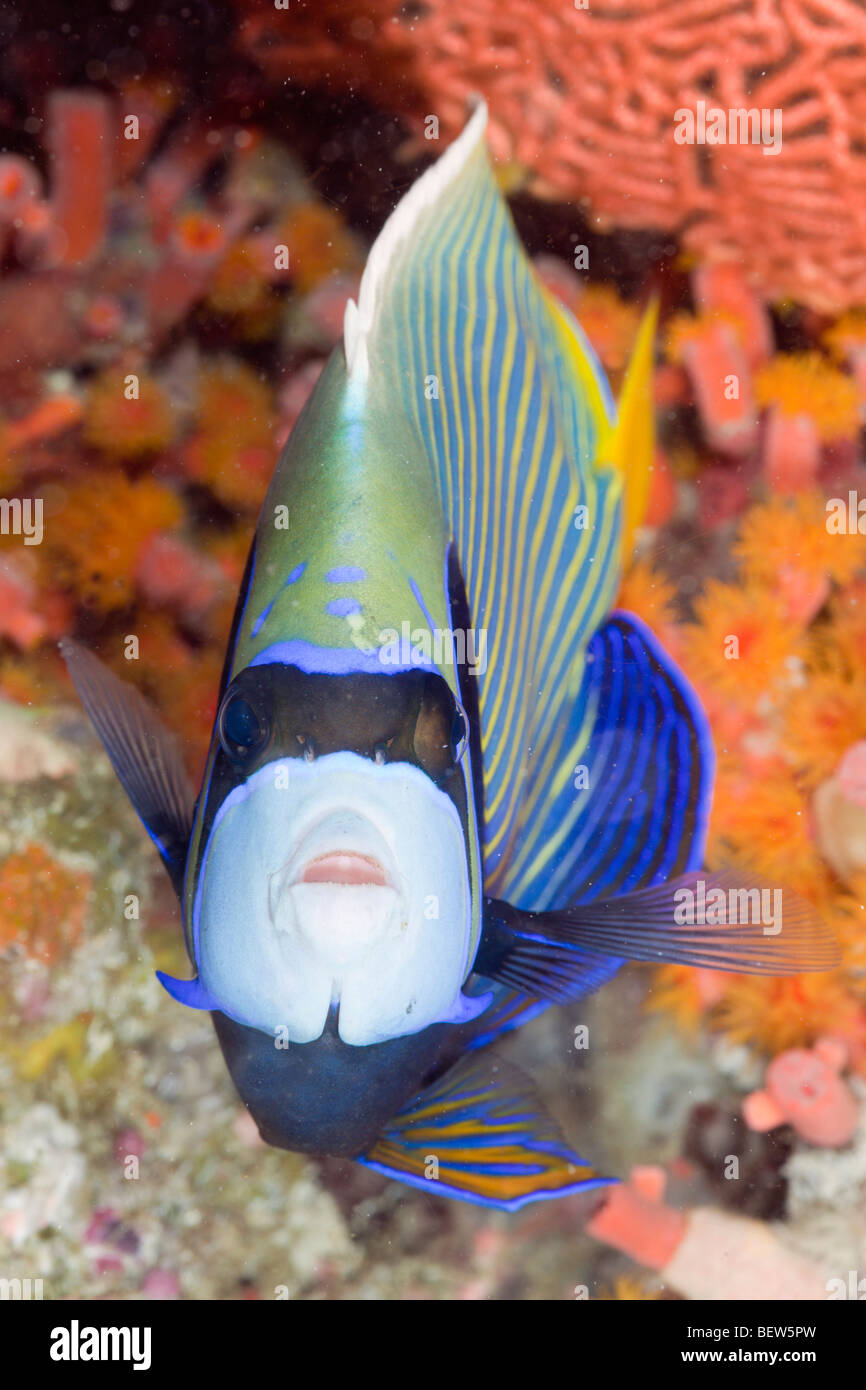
x: 585, y: 99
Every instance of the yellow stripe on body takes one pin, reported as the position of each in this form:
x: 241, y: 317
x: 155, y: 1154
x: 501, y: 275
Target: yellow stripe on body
x: 550, y: 778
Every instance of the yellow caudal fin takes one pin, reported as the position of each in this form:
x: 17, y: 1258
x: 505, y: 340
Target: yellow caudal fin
x: 587, y: 371
x: 630, y: 446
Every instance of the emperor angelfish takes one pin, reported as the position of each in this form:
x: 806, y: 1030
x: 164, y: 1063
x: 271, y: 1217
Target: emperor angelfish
x: 446, y: 785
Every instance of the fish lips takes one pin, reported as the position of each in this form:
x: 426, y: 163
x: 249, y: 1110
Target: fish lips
x: 340, y: 891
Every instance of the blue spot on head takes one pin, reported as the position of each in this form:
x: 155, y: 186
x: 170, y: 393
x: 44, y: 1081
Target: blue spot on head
x: 419, y: 599
x: 345, y: 574
x: 342, y: 607
x: 262, y: 618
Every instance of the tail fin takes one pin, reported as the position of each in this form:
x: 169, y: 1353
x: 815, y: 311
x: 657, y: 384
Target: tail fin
x: 631, y: 445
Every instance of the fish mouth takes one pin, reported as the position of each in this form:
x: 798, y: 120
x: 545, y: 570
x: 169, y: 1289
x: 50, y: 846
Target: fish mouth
x: 342, y: 867
x: 346, y: 867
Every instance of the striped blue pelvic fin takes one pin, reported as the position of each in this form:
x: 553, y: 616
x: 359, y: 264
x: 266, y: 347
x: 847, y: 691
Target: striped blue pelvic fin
x: 480, y: 1134
x: 192, y: 993
x: 453, y: 327
x: 625, y: 801
x: 144, y: 755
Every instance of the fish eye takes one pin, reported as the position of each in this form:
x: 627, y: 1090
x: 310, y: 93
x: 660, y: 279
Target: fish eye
x: 441, y: 731
x: 241, y: 730
x: 459, y: 734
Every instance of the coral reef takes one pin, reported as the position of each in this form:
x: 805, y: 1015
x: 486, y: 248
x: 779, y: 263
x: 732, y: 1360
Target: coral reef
x: 137, y: 413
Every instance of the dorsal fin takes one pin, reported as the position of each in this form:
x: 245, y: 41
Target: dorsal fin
x: 425, y: 192
x: 454, y: 331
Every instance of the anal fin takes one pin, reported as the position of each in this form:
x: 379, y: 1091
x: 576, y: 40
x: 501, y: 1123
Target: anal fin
x: 480, y: 1134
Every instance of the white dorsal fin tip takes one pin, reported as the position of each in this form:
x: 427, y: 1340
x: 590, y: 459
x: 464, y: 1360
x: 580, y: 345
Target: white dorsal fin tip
x: 358, y: 319
x: 351, y: 333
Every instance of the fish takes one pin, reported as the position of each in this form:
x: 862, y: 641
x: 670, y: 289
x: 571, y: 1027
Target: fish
x: 449, y: 784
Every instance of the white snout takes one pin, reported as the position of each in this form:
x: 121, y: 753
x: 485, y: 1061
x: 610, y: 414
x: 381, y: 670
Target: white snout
x: 336, y: 883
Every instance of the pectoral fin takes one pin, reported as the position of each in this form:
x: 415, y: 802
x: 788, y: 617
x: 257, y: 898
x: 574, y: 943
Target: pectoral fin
x: 554, y: 954
x: 480, y: 1134
x: 142, y: 752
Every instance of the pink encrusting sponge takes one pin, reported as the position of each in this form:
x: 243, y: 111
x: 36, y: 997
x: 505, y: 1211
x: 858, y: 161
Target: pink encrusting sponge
x: 634, y: 1219
x: 804, y: 1088
x: 704, y: 1253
